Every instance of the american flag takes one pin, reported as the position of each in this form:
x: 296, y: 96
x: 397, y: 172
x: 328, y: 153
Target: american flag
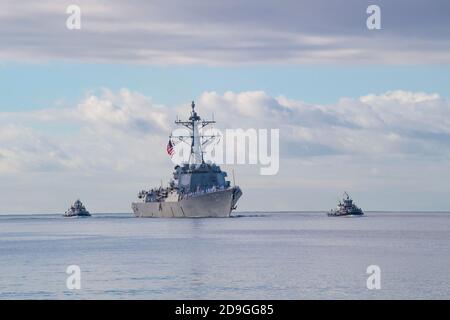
x: 169, y: 148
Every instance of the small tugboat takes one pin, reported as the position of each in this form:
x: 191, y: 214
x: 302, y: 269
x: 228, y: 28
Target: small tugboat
x: 346, y: 208
x: 77, y: 210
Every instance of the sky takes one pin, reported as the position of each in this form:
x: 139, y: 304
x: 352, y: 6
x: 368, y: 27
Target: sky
x: 87, y: 113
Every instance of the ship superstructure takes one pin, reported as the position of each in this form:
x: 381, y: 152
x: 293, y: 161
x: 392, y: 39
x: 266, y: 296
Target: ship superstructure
x: 198, y: 188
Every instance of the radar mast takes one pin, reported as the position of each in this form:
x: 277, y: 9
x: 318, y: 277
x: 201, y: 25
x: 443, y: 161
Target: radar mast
x: 197, y: 139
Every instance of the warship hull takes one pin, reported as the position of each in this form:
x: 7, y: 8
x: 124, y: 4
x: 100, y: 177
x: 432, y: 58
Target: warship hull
x: 217, y: 204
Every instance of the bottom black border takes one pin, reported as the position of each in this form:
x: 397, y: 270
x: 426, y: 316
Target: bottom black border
x: 225, y: 309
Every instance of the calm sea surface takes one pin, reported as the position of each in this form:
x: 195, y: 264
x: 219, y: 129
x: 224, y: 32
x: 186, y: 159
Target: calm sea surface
x: 252, y: 256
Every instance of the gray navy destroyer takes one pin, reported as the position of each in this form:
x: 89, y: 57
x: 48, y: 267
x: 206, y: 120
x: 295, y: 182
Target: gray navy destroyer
x: 77, y: 210
x: 346, y: 208
x: 198, y: 188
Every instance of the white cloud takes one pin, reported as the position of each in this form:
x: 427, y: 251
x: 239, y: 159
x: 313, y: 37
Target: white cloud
x: 397, y: 121
x: 126, y: 110
x: 94, y: 135
x: 23, y: 149
x: 116, y: 141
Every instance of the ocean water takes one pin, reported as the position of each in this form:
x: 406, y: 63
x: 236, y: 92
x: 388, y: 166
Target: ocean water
x: 261, y: 255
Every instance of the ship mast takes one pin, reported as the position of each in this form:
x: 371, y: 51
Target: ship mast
x: 194, y: 125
